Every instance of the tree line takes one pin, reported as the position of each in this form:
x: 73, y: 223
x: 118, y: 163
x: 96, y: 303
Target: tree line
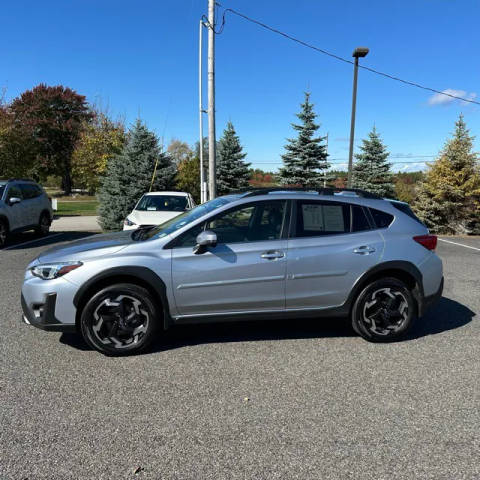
x: 52, y: 132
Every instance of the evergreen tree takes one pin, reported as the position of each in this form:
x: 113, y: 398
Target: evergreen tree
x: 232, y: 170
x: 306, y: 156
x: 449, y: 198
x: 129, y: 176
x: 371, y: 171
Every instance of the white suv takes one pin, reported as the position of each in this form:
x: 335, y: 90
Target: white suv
x: 155, y: 208
x: 24, y: 205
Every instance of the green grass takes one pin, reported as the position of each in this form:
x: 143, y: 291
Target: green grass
x: 81, y: 207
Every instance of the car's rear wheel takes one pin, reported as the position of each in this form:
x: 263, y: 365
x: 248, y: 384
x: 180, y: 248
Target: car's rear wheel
x: 384, y: 310
x: 120, y: 320
x: 43, y: 225
x: 3, y: 233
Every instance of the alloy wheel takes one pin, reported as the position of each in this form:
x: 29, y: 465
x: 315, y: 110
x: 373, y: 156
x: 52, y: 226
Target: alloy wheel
x: 385, y: 311
x: 120, y: 321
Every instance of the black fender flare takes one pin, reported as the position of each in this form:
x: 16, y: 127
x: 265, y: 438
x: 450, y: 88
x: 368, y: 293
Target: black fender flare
x: 398, y: 265
x: 144, y: 275
x: 3, y: 218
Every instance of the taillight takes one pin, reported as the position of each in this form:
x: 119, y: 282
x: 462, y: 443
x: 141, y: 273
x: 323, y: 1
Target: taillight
x: 427, y: 241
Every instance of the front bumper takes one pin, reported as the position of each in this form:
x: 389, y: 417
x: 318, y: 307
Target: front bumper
x: 42, y: 315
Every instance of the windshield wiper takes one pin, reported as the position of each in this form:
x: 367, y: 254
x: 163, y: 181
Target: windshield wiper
x: 140, y: 232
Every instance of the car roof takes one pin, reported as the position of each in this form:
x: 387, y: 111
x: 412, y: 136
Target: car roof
x: 171, y: 193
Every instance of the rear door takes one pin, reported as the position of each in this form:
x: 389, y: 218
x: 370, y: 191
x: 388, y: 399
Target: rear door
x: 331, y: 245
x: 244, y: 272
x: 30, y: 203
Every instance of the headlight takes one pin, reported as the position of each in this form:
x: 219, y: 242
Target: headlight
x: 128, y: 222
x: 48, y: 271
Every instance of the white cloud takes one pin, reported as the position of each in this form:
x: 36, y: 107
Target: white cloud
x: 413, y: 167
x: 439, y: 99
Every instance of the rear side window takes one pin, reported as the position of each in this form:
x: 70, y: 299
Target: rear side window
x: 405, y: 208
x: 381, y: 219
x: 30, y: 191
x: 321, y: 218
x: 360, y: 221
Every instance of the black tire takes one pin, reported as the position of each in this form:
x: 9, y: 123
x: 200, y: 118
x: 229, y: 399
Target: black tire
x: 43, y: 224
x: 384, y: 311
x: 3, y: 233
x: 121, y: 319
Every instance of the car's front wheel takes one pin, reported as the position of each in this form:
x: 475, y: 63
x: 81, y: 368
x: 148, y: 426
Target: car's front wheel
x: 384, y: 310
x: 120, y: 319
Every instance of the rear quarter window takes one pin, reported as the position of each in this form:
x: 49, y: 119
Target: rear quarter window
x: 405, y: 208
x: 381, y: 219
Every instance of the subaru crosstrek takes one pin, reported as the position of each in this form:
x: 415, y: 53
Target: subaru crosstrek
x: 253, y: 255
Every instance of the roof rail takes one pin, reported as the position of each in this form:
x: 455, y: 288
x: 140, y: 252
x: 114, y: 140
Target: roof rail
x: 320, y: 191
x: 21, y: 180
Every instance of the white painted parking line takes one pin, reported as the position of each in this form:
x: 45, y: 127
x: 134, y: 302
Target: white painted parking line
x: 33, y: 241
x: 460, y: 244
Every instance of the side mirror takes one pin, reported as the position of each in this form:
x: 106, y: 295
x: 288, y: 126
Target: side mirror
x: 14, y: 200
x: 205, y: 239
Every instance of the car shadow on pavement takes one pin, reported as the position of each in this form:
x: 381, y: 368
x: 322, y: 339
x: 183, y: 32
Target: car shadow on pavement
x: 446, y: 315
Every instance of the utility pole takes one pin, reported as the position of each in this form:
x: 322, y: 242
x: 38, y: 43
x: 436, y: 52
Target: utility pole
x: 358, y: 52
x: 203, y: 193
x: 325, y: 172
x: 212, y: 180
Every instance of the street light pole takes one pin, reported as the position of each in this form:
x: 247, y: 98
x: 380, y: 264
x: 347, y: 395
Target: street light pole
x: 358, y: 53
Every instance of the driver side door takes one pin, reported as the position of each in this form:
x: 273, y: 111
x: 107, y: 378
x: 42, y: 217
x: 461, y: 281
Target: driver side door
x: 17, y: 215
x: 244, y: 272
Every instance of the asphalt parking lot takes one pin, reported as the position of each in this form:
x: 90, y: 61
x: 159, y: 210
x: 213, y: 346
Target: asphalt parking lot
x: 266, y: 400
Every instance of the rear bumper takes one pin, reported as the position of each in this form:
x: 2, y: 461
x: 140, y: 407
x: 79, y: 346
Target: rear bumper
x: 43, y: 315
x: 431, y: 300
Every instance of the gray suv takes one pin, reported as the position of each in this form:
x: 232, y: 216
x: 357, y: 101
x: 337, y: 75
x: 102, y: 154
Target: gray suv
x: 268, y: 253
x: 24, y: 205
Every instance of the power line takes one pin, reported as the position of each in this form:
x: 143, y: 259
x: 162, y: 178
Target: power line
x: 337, y: 57
x: 344, y: 162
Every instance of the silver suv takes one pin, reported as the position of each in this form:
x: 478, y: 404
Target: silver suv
x: 24, y: 205
x: 253, y: 255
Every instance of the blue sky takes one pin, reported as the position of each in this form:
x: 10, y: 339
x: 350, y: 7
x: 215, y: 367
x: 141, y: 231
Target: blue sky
x: 140, y: 58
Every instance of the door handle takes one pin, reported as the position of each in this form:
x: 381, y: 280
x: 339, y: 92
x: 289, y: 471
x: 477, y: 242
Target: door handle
x: 272, y: 255
x: 364, y: 250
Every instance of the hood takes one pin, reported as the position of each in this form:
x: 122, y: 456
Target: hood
x: 94, y: 246
x: 141, y: 217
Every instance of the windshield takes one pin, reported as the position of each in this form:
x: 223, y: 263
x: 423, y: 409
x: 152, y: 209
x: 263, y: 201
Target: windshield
x: 162, y: 203
x: 190, y: 216
x: 2, y: 188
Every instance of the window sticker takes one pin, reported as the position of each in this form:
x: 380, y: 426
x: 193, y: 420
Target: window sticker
x: 313, y: 218
x: 333, y: 218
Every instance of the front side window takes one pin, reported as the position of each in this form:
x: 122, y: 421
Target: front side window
x: 315, y: 218
x: 162, y: 203
x: 259, y: 221
x: 183, y: 219
x: 14, y: 192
